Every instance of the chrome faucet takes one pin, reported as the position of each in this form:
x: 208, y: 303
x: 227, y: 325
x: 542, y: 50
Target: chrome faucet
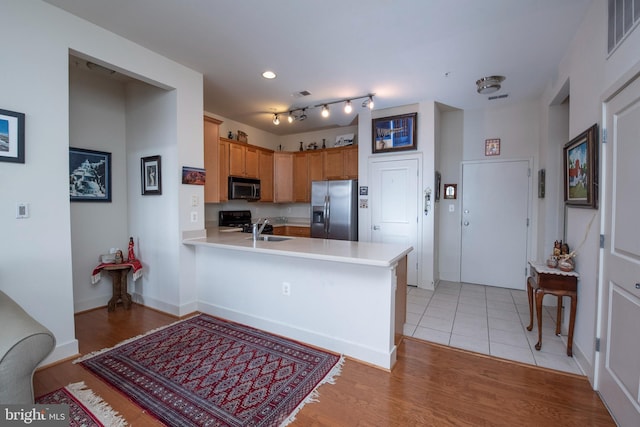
x: 258, y: 229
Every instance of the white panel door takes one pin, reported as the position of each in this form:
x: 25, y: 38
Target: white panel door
x: 619, y: 361
x: 394, y: 207
x: 495, y: 206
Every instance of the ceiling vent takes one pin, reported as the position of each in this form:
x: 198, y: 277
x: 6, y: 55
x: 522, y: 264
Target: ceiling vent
x: 491, y: 98
x: 301, y: 94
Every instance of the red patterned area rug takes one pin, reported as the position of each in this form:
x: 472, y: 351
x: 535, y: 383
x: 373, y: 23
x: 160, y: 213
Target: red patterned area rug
x: 205, y: 371
x: 86, y: 409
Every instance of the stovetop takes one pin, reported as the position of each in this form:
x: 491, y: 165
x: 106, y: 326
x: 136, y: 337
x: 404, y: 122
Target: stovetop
x: 240, y: 219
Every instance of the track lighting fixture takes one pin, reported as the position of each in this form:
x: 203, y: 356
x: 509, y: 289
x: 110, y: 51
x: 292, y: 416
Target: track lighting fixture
x: 489, y: 84
x: 300, y: 114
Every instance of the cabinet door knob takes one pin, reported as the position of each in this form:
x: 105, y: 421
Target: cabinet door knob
x: 637, y: 285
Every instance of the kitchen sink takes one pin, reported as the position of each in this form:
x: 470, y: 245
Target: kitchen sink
x: 271, y: 238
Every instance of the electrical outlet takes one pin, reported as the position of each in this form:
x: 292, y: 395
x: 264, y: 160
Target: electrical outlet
x: 286, y: 288
x: 22, y: 210
x: 194, y: 216
x: 194, y: 201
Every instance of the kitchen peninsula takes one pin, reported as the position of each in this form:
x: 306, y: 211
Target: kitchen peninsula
x: 347, y: 297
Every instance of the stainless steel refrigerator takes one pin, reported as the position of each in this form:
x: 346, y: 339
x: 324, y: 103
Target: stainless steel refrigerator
x: 334, y: 209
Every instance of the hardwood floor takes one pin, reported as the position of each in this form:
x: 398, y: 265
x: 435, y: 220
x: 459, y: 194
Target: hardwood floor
x: 430, y: 385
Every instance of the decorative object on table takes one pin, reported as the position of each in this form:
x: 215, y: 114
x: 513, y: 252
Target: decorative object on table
x: 118, y: 257
x: 86, y: 408
x: 324, y: 144
x: 242, y: 137
x: 193, y: 176
x: 541, y: 183
x: 132, y: 254
x: 395, y: 133
x: 344, y: 140
x: 492, y: 147
x: 11, y: 136
x: 89, y: 175
x: 581, y: 170
x: 301, y: 148
x: 151, y: 175
x: 237, y: 375
x: 108, y: 258
x: 450, y: 191
x: 552, y: 262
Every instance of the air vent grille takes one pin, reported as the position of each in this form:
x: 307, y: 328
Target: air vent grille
x: 491, y: 98
x: 301, y: 94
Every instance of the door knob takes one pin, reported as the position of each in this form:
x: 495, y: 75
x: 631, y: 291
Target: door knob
x: 376, y: 227
x: 637, y: 285
x: 466, y: 223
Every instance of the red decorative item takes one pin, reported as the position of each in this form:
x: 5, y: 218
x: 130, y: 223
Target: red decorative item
x: 132, y: 255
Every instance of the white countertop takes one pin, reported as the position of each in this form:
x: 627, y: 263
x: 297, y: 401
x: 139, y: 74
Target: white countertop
x: 365, y: 253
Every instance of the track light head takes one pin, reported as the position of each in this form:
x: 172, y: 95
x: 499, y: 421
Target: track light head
x: 325, y: 111
x: 290, y: 117
x: 276, y: 120
x: 347, y: 107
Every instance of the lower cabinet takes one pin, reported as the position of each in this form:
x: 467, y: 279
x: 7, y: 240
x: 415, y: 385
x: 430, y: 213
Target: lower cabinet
x: 292, y: 230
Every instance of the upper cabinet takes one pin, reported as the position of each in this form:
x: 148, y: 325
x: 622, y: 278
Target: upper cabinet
x: 265, y: 173
x: 243, y: 160
x: 341, y: 163
x: 211, y: 160
x: 282, y: 177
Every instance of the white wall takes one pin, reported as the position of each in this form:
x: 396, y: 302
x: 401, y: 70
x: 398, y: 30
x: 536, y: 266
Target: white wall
x: 37, y: 266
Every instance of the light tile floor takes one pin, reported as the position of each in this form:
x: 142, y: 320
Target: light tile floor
x: 487, y: 320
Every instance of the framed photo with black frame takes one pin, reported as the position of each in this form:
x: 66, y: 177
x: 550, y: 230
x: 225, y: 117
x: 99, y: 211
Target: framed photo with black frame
x: 11, y: 136
x: 581, y: 170
x: 89, y: 175
x: 395, y: 133
x: 151, y: 175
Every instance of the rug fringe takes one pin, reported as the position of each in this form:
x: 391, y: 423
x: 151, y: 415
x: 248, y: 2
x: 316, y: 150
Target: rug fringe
x: 121, y: 343
x: 98, y: 407
x: 314, y: 396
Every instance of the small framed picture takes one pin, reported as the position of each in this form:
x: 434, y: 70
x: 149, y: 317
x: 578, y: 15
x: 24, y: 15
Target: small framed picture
x: 492, y: 147
x: 581, y: 170
x: 193, y: 176
x: 450, y: 191
x: 89, y: 175
x: 11, y: 136
x: 151, y: 175
x: 396, y: 133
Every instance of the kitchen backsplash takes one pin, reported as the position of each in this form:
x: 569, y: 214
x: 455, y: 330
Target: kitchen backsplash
x: 290, y: 212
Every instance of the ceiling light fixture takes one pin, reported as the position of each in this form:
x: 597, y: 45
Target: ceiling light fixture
x: 489, y: 84
x: 299, y: 114
x: 276, y: 120
x: 269, y: 75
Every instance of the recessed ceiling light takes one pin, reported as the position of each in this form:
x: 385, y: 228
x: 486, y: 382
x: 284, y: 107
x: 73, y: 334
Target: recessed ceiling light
x: 269, y: 75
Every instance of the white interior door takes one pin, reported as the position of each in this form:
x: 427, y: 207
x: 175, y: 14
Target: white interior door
x: 619, y: 361
x: 394, y: 207
x: 495, y: 206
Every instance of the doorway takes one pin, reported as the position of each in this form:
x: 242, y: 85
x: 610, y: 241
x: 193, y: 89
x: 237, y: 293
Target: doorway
x: 495, y: 223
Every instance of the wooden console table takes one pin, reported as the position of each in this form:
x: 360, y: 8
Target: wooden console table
x: 546, y: 280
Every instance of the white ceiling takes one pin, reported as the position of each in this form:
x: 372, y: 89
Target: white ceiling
x: 404, y: 51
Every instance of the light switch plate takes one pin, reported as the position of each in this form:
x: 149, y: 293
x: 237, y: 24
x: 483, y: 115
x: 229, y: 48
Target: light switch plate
x: 22, y: 210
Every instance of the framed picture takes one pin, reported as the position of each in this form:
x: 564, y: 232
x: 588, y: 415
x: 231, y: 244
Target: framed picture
x: 581, y: 170
x: 11, y: 136
x: 242, y: 137
x: 492, y: 147
x: 151, y: 175
x: 89, y: 175
x: 193, y: 176
x: 451, y: 191
x: 394, y: 133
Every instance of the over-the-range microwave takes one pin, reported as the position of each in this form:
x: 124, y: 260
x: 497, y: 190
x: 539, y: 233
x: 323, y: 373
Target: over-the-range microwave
x: 244, y: 188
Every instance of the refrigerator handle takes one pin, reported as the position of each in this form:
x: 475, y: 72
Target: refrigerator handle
x: 327, y: 213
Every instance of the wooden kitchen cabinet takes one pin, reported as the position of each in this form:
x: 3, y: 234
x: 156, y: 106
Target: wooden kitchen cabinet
x: 223, y: 169
x: 243, y: 160
x: 265, y: 173
x: 316, y: 165
x: 341, y: 163
x: 301, y: 186
x: 282, y: 177
x: 292, y: 230
x: 211, y: 160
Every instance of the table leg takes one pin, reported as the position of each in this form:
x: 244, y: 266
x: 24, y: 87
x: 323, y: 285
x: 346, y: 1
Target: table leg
x: 124, y: 295
x: 115, y: 290
x: 539, y: 295
x: 530, y: 297
x: 572, y: 319
x: 558, y: 315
